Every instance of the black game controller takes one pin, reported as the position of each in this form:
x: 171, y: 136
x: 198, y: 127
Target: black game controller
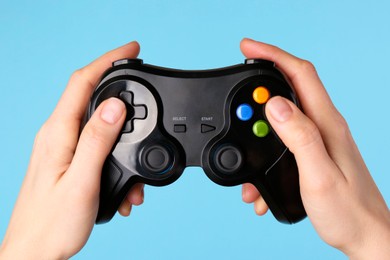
x: 214, y: 119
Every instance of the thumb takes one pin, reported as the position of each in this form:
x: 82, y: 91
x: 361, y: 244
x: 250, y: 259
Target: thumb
x: 317, y: 171
x: 96, y: 141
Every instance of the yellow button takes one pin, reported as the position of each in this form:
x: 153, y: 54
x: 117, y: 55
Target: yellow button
x: 261, y: 95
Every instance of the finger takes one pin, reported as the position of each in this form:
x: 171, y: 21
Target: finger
x: 64, y: 124
x: 136, y: 194
x: 249, y: 193
x: 125, y: 208
x: 261, y: 206
x: 134, y: 197
x: 302, y: 137
x: 96, y: 141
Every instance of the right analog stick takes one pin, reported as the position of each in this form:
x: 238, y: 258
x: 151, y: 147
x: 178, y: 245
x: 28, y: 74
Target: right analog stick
x: 228, y: 159
x: 156, y: 159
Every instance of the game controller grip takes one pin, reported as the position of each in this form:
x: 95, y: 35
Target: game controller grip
x: 115, y: 184
x: 280, y: 190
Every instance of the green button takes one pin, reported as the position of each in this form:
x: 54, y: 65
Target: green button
x: 260, y: 128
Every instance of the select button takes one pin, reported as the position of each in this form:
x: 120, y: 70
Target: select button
x: 179, y: 128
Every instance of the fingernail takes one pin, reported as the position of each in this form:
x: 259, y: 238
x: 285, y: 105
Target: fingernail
x: 142, y: 195
x: 279, y: 109
x: 132, y: 42
x: 244, y: 192
x: 112, y: 111
x: 248, y: 39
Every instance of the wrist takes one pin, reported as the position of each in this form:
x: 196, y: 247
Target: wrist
x: 374, y: 245
x: 25, y: 252
x: 9, y: 251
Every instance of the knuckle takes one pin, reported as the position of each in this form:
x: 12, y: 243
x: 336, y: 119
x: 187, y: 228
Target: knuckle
x: 94, y: 137
x: 41, y: 137
x: 306, y: 136
x: 46, y: 144
x: 307, y: 66
x: 341, y: 126
x: 80, y: 75
x: 38, y: 137
x: 77, y: 74
x: 302, y: 69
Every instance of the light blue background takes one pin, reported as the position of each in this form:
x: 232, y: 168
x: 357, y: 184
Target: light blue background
x: 43, y: 42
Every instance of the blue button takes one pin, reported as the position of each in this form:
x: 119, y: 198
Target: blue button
x: 244, y: 112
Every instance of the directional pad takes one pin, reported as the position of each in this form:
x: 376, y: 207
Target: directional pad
x: 134, y: 111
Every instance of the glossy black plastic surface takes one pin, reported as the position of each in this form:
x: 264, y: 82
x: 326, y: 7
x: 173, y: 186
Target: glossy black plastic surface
x: 180, y: 118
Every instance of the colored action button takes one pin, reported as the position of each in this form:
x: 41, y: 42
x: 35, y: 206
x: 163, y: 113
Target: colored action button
x: 261, y: 95
x: 244, y: 112
x: 260, y: 128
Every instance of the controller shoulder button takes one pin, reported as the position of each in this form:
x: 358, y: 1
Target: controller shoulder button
x: 260, y: 61
x: 127, y: 61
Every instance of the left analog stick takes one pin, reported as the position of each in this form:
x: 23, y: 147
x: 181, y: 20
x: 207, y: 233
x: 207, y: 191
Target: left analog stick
x: 156, y: 159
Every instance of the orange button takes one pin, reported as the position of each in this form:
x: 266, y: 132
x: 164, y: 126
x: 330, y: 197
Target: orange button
x: 261, y: 95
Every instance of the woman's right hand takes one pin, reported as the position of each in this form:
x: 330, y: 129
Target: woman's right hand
x: 339, y: 195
